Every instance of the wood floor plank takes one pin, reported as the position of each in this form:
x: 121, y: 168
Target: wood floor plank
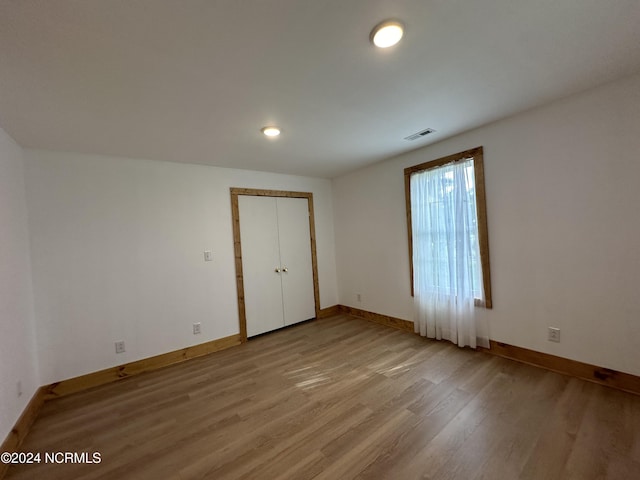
x: 342, y: 398
x: 606, y: 435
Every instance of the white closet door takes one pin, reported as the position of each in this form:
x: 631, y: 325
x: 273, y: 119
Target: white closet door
x: 260, y: 259
x: 295, y: 254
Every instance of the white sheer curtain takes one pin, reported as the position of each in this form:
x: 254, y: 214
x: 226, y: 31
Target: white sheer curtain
x: 447, y: 271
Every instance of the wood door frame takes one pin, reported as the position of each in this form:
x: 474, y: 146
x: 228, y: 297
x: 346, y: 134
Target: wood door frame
x: 237, y: 246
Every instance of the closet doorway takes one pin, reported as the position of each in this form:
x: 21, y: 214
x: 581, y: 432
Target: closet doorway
x: 275, y: 259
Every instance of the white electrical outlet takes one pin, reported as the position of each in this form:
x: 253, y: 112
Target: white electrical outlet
x: 196, y: 328
x: 358, y: 297
x: 120, y: 347
x: 19, y: 388
x: 554, y: 334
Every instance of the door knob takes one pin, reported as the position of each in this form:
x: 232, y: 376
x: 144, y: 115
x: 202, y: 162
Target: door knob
x: 277, y: 270
x: 285, y: 269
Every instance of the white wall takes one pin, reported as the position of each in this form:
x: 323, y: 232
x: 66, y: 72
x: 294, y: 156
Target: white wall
x: 563, y: 201
x: 117, y: 250
x: 18, y: 362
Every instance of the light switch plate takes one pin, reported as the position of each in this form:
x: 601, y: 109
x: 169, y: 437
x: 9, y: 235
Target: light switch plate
x: 208, y: 255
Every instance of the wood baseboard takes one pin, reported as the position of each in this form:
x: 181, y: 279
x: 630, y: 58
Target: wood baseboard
x: 378, y: 318
x: 20, y: 430
x: 329, y: 311
x: 90, y: 380
x: 66, y: 387
x: 592, y: 373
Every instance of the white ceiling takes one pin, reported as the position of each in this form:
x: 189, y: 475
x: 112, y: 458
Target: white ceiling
x: 195, y: 80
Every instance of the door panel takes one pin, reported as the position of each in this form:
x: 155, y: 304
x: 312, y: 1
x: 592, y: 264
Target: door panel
x: 295, y: 254
x: 260, y: 258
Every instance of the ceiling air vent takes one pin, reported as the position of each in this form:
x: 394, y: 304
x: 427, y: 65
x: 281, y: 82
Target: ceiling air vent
x: 420, y: 134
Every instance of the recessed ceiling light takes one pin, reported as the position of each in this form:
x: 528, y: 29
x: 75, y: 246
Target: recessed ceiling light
x: 271, y: 131
x: 386, y: 34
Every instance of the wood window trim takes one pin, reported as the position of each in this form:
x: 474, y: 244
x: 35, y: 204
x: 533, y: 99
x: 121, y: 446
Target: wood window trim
x: 237, y: 247
x: 481, y: 207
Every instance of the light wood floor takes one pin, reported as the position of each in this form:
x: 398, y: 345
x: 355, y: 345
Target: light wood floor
x: 343, y: 398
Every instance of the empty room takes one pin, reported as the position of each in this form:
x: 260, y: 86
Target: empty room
x: 286, y: 239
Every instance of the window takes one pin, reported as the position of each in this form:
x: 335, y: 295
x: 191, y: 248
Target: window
x: 447, y: 225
